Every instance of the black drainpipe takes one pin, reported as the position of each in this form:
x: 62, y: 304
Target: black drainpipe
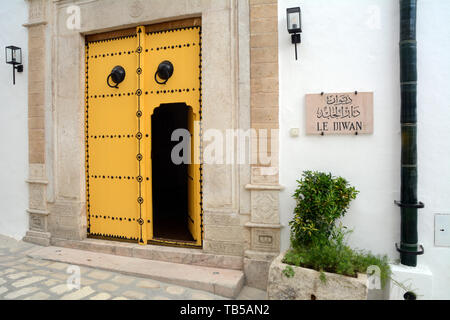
x: 409, y: 248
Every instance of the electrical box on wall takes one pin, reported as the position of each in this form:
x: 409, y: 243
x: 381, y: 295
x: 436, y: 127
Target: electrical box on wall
x: 442, y: 230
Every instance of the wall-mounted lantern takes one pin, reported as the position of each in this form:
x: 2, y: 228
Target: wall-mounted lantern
x: 13, y: 56
x: 294, y: 25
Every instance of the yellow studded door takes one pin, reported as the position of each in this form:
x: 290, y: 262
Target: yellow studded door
x: 135, y: 190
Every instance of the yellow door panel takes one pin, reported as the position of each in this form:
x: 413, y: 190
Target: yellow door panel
x: 113, y: 116
x: 103, y: 56
x: 113, y: 156
x: 113, y: 192
x: 182, y: 48
x: 104, y: 202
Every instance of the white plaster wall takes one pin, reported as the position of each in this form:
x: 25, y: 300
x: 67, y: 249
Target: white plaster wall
x: 434, y: 134
x: 13, y: 123
x: 350, y: 45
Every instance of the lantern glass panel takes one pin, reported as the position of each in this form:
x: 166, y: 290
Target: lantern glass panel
x: 13, y: 55
x: 294, y: 20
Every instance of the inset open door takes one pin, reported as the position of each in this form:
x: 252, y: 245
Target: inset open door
x: 175, y: 178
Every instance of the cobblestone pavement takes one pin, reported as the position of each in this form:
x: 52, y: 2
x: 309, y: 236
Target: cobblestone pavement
x: 24, y: 278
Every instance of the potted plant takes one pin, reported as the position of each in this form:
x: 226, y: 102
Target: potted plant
x: 320, y: 264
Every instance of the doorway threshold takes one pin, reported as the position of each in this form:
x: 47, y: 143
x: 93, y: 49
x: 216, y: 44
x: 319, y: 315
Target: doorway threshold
x: 186, y: 256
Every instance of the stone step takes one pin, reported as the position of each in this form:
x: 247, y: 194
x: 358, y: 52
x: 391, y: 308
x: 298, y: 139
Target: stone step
x: 153, y: 252
x: 223, y: 282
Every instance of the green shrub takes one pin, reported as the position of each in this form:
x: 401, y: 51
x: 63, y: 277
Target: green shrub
x: 317, y: 243
x: 288, y: 272
x: 321, y: 200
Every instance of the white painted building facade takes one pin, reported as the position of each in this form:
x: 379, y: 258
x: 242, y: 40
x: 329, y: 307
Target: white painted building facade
x: 347, y: 45
x: 14, y: 124
x: 353, y: 45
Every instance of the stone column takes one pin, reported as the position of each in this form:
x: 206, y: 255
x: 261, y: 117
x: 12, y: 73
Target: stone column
x: 264, y: 224
x: 37, y: 181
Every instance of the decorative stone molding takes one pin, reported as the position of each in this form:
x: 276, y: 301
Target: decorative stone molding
x: 264, y: 189
x: 37, y: 181
x: 38, y: 220
x: 36, y: 12
x: 135, y: 8
x: 264, y: 206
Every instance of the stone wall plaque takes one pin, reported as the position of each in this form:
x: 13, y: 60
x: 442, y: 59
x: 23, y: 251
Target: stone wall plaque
x: 266, y: 240
x: 339, y: 113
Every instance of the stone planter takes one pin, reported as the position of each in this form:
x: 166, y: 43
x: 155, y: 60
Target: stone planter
x: 306, y: 284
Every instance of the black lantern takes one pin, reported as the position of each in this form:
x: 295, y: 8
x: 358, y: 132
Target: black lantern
x: 13, y: 56
x: 294, y: 25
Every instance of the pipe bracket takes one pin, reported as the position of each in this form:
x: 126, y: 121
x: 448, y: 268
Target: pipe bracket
x: 414, y: 253
x: 419, y: 205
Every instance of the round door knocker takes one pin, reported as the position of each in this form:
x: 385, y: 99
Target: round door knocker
x: 117, y: 75
x: 164, y: 72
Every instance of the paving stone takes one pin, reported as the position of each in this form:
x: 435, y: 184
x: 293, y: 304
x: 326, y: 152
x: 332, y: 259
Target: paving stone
x: 21, y: 292
x: 39, y: 263
x: 60, y: 289
x: 27, y: 281
x: 61, y: 276
x: 160, y: 298
x: 16, y: 276
x: 248, y: 293
x: 201, y: 296
x: 108, y: 287
x: 120, y: 298
x: 79, y: 294
x: 122, y: 279
x: 38, y: 296
x: 7, y: 271
x: 51, y: 282
x: 101, y: 296
x: 43, y: 272
x: 10, y: 264
x: 87, y: 282
x: 175, y: 290
x: 58, y: 266
x: 134, y: 295
x: 6, y: 259
x: 2, y: 281
x: 3, y: 290
x: 85, y: 270
x: 18, y: 249
x: 146, y: 284
x: 100, y: 275
x: 25, y: 267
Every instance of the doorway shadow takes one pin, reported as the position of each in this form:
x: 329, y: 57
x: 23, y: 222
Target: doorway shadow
x: 169, y: 180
